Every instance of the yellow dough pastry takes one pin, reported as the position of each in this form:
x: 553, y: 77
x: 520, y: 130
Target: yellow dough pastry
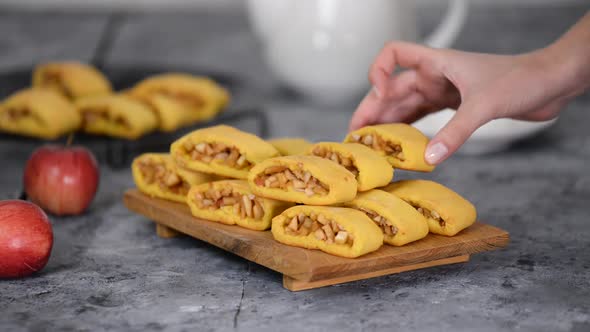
x: 303, y: 179
x: 369, y: 168
x: 398, y: 220
x: 290, y: 146
x: 38, y: 113
x: 181, y: 99
x: 72, y: 79
x: 402, y: 145
x: 156, y: 175
x: 171, y: 115
x: 446, y: 211
x: 338, y: 231
x: 117, y: 116
x: 232, y: 202
x: 193, y: 177
x: 221, y: 150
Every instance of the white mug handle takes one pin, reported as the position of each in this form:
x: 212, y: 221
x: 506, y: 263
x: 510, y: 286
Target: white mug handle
x: 449, y: 28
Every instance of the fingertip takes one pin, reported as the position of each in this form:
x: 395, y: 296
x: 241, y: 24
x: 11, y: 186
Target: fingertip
x: 351, y: 124
x: 378, y: 79
x: 366, y: 111
x: 376, y: 91
x: 357, y: 121
x: 451, y: 137
x: 436, y: 152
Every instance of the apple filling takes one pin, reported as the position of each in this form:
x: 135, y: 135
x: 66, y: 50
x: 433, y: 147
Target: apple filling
x: 377, y: 143
x: 430, y: 214
x: 282, y: 177
x: 244, y: 205
x: 53, y: 79
x: 93, y: 115
x: 15, y: 114
x: 216, y: 153
x: 154, y: 172
x: 386, y: 226
x: 336, y: 157
x: 320, y: 226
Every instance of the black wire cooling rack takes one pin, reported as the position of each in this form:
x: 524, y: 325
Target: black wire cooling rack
x: 118, y: 153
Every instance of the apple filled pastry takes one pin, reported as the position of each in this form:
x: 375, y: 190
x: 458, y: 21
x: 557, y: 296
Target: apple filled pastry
x: 232, y: 202
x: 446, y: 212
x: 402, y: 145
x: 398, y: 220
x: 116, y: 116
x: 369, y: 168
x: 170, y: 114
x: 335, y: 230
x: 290, y: 146
x: 303, y: 179
x: 73, y: 80
x: 221, y: 150
x: 38, y: 113
x: 181, y: 99
x: 156, y: 175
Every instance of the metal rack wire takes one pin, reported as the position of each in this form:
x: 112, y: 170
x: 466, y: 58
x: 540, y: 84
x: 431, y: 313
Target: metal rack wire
x: 118, y: 153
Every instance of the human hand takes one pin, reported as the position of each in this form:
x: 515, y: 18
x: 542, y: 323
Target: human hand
x: 481, y: 87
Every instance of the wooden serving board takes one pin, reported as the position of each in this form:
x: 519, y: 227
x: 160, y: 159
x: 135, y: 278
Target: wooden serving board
x: 305, y: 269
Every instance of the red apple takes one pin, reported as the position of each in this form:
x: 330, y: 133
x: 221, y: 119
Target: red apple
x: 61, y: 180
x: 25, y: 239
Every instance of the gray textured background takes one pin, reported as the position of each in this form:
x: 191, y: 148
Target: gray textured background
x: 109, y: 271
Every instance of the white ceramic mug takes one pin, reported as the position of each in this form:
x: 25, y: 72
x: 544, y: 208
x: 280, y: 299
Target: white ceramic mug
x: 323, y: 48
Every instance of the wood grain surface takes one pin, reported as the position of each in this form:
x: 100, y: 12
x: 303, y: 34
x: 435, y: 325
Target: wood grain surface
x: 305, y: 265
x: 299, y: 285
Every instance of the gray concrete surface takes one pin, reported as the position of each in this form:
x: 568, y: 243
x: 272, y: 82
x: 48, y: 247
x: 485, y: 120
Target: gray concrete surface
x: 109, y: 271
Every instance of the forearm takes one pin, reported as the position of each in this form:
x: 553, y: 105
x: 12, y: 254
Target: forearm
x: 569, y: 56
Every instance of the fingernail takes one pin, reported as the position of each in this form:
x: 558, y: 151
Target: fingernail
x: 436, y: 153
x: 376, y: 91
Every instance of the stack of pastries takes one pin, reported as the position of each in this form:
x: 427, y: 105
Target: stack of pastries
x: 335, y: 197
x: 72, y: 96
